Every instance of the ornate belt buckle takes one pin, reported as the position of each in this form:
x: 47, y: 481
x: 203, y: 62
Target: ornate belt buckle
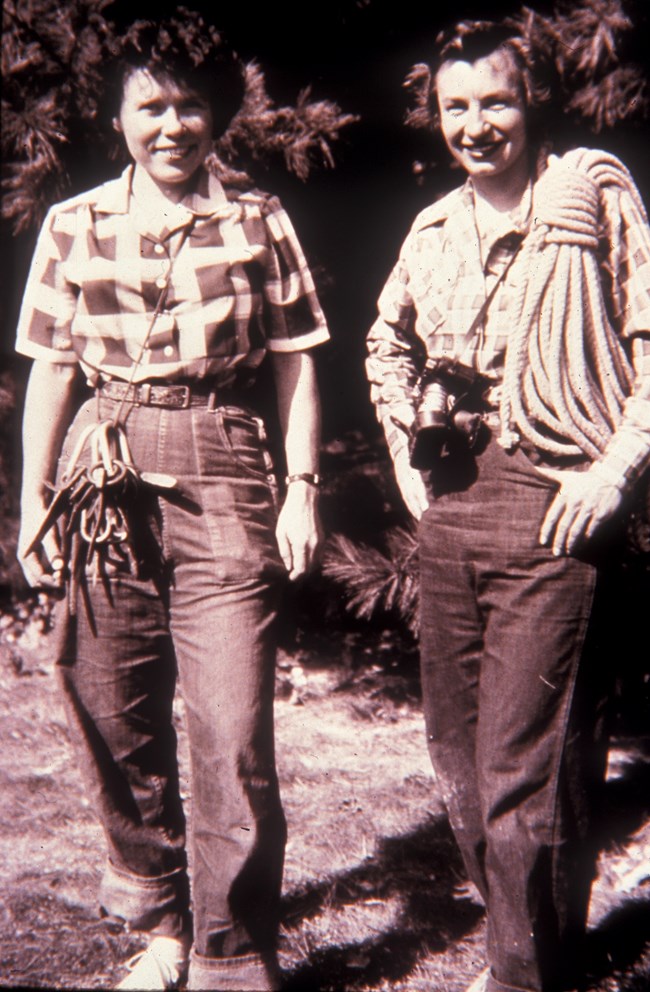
x: 184, y: 399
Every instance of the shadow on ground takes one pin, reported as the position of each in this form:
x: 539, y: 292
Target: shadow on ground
x: 424, y: 870
x: 626, y: 794
x: 619, y: 949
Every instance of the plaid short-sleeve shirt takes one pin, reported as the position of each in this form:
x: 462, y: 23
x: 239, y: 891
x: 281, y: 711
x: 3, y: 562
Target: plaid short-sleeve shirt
x: 440, y: 283
x: 239, y: 284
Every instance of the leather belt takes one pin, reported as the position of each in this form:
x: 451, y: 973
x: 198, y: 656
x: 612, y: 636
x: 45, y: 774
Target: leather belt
x: 174, y: 396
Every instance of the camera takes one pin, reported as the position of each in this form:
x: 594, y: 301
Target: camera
x: 443, y: 386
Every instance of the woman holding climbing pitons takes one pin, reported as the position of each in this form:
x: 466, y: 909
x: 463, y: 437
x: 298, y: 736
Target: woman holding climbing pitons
x: 510, y: 368
x: 165, y: 289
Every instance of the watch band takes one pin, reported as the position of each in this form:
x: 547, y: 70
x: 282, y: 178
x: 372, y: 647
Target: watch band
x: 310, y: 477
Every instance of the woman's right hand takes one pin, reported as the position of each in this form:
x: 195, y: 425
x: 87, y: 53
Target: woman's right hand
x: 42, y: 567
x: 411, y: 484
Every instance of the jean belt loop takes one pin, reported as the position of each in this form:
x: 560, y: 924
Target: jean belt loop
x: 212, y: 399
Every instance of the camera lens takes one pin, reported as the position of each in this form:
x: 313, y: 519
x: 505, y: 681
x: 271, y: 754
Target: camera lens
x: 431, y: 426
x: 426, y: 447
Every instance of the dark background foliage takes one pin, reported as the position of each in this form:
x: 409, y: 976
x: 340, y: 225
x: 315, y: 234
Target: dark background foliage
x: 350, y: 218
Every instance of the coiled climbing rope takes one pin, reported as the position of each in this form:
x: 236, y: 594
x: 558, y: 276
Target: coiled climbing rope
x: 567, y: 374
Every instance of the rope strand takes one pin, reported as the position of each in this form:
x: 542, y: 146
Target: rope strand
x: 566, y: 374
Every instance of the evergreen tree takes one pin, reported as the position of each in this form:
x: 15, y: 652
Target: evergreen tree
x: 587, y: 57
x: 52, y: 52
x: 593, y: 67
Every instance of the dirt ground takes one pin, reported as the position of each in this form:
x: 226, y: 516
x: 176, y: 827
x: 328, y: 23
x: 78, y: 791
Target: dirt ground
x: 374, y: 892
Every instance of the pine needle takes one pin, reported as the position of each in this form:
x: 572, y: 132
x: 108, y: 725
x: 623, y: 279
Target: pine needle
x: 582, y: 42
x: 375, y: 582
x: 51, y: 58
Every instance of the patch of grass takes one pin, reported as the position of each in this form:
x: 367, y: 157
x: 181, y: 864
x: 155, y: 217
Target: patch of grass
x: 54, y: 944
x: 375, y: 896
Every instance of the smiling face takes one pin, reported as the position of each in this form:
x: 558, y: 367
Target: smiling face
x: 167, y: 128
x: 483, y: 116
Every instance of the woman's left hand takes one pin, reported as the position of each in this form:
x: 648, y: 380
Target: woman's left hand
x: 299, y: 529
x: 585, y: 500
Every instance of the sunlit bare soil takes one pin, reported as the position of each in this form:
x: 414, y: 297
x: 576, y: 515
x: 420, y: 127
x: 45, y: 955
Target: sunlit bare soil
x: 374, y: 894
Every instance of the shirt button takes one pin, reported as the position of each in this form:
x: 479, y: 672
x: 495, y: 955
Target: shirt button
x: 159, y: 249
x: 168, y: 350
x: 161, y: 281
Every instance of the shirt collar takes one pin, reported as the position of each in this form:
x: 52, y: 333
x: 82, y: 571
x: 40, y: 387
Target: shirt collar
x: 455, y: 205
x: 113, y: 196
x: 515, y: 221
x: 455, y: 214
x: 207, y: 198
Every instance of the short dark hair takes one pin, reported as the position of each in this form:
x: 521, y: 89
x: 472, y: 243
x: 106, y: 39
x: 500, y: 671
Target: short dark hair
x: 469, y: 41
x: 184, y: 47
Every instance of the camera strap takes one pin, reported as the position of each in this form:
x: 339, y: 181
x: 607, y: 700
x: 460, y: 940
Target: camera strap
x: 480, y: 316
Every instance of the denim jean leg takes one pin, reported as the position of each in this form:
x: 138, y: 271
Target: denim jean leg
x: 503, y: 634
x: 534, y: 831
x: 217, y: 605
x: 118, y: 692
x: 450, y: 658
x: 226, y: 586
x: 238, y: 829
x: 242, y: 973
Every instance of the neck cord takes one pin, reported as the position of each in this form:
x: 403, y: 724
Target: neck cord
x: 154, y: 317
x: 479, y: 322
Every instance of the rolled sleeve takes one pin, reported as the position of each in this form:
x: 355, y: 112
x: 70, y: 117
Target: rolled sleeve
x: 294, y: 319
x: 50, y: 300
x: 627, y: 454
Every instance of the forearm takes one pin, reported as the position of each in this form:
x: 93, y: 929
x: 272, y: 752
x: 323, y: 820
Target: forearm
x: 585, y: 500
x: 47, y: 412
x: 298, y: 531
x: 299, y: 410
x: 393, y: 373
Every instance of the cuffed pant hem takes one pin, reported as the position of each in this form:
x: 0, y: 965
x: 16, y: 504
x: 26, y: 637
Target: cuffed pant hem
x: 156, y: 904
x: 245, y: 973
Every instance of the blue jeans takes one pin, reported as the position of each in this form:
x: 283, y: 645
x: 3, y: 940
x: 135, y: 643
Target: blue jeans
x: 514, y: 718
x: 204, y: 606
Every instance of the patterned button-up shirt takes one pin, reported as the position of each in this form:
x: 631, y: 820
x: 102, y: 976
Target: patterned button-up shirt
x: 239, y: 284
x: 439, y: 284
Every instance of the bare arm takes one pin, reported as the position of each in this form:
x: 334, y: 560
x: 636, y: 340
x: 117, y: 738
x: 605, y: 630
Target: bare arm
x: 298, y: 531
x: 48, y: 407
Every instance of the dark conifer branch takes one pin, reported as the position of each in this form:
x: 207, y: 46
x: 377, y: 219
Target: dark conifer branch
x: 52, y: 57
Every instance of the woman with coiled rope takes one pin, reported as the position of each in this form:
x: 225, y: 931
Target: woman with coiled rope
x: 510, y: 368
x: 166, y: 288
